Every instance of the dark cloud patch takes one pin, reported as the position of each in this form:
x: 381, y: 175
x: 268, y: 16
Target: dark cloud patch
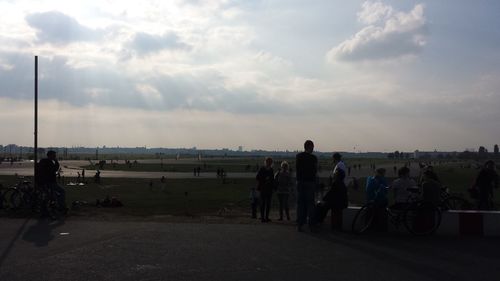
x: 144, y: 43
x: 107, y: 86
x: 58, y: 28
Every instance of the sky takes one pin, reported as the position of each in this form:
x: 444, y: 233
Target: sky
x: 349, y: 75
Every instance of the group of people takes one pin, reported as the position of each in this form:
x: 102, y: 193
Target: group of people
x: 307, y: 182
x: 428, y: 188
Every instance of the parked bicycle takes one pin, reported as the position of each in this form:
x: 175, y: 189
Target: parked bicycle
x: 41, y: 200
x: 453, y: 202
x: 418, y: 217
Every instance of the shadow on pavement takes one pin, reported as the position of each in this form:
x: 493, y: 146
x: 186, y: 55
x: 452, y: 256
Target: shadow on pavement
x: 415, y: 253
x: 40, y: 233
x: 7, y: 250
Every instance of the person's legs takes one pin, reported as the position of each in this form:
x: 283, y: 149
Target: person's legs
x: 301, y: 204
x: 309, y: 201
x: 281, y: 203
x: 262, y: 207
x: 285, y: 205
x: 268, y: 207
x: 60, y: 194
x: 337, y: 219
x: 484, y: 196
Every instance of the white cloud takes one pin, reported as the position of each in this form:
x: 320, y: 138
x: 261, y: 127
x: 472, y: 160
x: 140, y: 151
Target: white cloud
x: 372, y: 12
x: 390, y: 34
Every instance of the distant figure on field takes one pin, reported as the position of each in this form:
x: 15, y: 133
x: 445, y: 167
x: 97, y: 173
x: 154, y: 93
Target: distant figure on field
x: 97, y: 177
x: 46, y: 176
x: 265, y: 185
x: 306, y: 170
x: 83, y: 174
x: 163, y: 182
x: 486, y: 180
x: 284, y: 183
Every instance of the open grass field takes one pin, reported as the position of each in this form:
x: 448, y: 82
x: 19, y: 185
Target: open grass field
x: 209, y: 196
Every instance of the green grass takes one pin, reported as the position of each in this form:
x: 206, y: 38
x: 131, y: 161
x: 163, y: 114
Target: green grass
x: 208, y: 196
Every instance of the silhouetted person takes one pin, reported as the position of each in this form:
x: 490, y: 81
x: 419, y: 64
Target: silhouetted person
x: 486, y: 180
x: 402, y: 188
x: 284, y: 183
x: 265, y: 180
x: 198, y: 170
x: 306, y: 170
x: 337, y: 198
x: 46, y: 177
x: 376, y: 192
x: 83, y: 174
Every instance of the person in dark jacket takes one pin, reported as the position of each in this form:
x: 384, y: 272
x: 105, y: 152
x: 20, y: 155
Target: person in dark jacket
x: 47, y: 169
x: 486, y: 180
x: 338, y: 191
x: 265, y: 185
x: 306, y: 173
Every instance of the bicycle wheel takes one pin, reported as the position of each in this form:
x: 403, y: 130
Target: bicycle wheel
x: 15, y: 198
x: 363, y: 219
x: 422, y: 219
x: 455, y: 203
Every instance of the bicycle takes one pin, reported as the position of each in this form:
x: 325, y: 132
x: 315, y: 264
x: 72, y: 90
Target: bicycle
x: 5, y: 194
x: 452, y: 202
x: 42, y: 200
x: 418, y: 217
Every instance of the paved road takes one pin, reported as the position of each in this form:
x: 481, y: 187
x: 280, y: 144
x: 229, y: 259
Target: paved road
x: 93, y: 250
x: 71, y: 168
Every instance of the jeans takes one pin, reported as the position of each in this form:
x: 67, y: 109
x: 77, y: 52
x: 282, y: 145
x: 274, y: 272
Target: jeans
x: 265, y: 205
x: 305, y: 201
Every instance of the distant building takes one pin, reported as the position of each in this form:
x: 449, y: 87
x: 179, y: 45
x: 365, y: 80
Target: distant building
x: 240, y: 148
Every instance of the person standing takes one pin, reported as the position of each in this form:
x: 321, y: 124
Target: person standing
x: 265, y: 180
x: 283, y: 182
x: 46, y: 176
x: 338, y: 190
x: 306, y: 170
x: 486, y: 180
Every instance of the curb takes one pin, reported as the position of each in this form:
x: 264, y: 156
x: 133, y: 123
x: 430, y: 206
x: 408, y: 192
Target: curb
x: 456, y: 223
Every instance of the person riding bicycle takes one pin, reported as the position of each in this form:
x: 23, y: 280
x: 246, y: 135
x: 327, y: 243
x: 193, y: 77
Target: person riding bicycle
x: 46, y: 177
x: 402, y: 188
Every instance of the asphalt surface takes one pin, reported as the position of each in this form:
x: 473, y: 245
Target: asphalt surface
x: 33, y: 249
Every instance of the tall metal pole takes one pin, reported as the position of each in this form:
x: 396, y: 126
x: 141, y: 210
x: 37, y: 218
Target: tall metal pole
x: 35, y: 158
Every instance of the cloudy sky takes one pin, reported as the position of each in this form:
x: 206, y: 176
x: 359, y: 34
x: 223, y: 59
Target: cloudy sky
x: 350, y: 75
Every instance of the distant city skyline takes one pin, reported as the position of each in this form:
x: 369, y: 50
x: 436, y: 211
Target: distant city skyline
x: 350, y: 75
